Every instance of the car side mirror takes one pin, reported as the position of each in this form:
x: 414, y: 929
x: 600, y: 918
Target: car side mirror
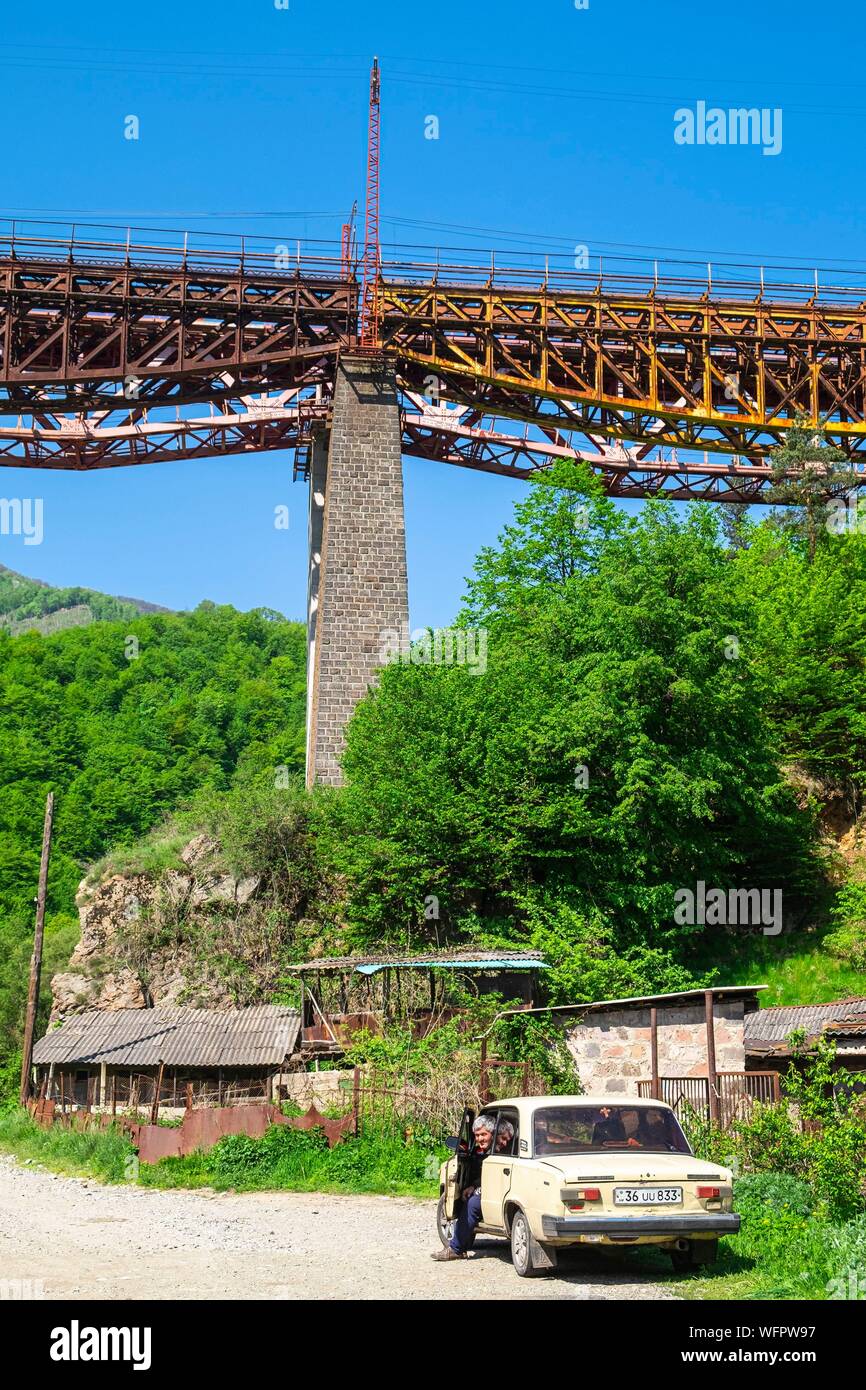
x: 452, y: 1144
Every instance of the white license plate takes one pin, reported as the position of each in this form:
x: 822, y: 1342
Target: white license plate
x: 647, y: 1196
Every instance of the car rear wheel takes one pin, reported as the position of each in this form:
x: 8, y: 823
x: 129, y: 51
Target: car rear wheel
x: 521, y: 1247
x: 443, y: 1225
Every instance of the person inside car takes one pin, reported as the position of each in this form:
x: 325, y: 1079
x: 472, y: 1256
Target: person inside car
x: 468, y: 1207
x: 651, y: 1133
x: 505, y: 1137
x: 610, y: 1131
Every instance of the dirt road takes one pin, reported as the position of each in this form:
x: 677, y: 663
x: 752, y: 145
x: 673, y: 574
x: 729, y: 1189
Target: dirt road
x: 81, y: 1239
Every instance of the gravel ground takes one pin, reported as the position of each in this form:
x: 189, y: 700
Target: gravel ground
x: 85, y: 1240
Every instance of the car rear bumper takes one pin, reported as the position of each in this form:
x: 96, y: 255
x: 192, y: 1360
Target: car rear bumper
x: 710, y: 1223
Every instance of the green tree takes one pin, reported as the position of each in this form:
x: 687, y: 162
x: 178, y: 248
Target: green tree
x: 809, y: 475
x: 612, y: 751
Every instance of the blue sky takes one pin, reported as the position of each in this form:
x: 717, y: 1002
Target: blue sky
x: 555, y: 126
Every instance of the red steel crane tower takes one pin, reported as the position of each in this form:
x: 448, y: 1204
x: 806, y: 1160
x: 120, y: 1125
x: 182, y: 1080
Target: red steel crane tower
x: 370, y: 266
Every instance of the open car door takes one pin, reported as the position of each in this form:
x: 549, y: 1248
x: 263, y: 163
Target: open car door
x: 458, y: 1165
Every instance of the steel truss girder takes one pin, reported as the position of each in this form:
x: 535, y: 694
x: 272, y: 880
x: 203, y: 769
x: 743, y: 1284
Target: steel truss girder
x: 623, y: 472
x: 726, y: 376
x: 136, y: 433
x: 75, y: 335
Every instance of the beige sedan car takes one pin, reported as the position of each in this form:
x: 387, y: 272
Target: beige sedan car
x: 590, y: 1170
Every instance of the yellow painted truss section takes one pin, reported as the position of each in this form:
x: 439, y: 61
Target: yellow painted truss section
x: 730, y: 375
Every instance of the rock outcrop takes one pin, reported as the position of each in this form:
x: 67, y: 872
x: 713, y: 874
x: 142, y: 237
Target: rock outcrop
x: 138, y: 937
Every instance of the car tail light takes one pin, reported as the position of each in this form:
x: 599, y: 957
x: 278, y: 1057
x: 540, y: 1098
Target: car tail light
x: 709, y: 1192
x: 577, y: 1200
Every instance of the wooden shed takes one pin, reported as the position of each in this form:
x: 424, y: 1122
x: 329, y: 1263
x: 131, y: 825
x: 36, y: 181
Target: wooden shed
x: 129, y: 1057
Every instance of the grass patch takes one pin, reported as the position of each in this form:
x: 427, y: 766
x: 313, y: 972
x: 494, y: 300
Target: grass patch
x: 802, y: 1260
x: 153, y: 854
x: 283, y: 1159
x: 97, y: 1153
x: 786, y: 1258
x: 787, y: 1248
x: 796, y: 969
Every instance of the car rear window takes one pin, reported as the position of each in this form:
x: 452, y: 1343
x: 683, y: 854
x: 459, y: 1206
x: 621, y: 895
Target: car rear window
x: 574, y: 1129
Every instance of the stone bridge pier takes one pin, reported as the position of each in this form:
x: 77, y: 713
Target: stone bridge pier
x: 357, y: 594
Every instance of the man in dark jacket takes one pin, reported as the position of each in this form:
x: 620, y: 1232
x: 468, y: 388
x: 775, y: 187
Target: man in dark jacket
x: 468, y: 1208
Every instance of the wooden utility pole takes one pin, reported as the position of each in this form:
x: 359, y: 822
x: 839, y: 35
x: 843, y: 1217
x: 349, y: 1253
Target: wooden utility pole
x: 36, y: 958
x: 157, y: 1092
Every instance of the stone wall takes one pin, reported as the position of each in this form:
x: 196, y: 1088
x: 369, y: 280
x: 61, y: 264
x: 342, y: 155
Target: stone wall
x: 362, y: 590
x: 612, y: 1047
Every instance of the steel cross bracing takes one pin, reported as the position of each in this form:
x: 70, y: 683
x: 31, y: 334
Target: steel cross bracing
x: 112, y: 354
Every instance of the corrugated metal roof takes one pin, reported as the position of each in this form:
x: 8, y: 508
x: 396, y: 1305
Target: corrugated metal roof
x: 260, y: 1036
x: 768, y: 1029
x: 779, y: 1021
x: 479, y: 960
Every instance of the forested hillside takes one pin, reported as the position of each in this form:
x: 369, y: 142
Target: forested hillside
x: 31, y: 605
x: 126, y: 721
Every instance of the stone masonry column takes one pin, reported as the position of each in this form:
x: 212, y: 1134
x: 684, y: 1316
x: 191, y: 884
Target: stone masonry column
x: 362, y: 591
x: 318, y: 486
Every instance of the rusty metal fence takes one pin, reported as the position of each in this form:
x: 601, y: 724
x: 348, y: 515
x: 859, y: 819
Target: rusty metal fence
x: 365, y: 1104
x: 736, y: 1093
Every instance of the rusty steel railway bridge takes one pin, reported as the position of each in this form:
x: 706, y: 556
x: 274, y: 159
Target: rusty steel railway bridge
x: 118, y: 353
x: 121, y: 353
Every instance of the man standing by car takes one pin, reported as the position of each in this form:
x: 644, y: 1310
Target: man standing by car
x: 468, y: 1209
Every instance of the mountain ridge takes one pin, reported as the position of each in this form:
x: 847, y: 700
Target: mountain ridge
x: 32, y: 605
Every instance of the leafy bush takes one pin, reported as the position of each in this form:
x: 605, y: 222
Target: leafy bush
x: 241, y: 1161
x: 815, y: 1137
x: 770, y: 1140
x: 301, y: 1160
x: 847, y: 941
x: 755, y: 1193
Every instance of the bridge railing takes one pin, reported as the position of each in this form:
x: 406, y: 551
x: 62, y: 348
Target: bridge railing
x: 621, y: 277
x: 146, y: 247
x: 608, y: 274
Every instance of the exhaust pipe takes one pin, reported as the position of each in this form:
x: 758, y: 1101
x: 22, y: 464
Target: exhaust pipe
x: 682, y: 1244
